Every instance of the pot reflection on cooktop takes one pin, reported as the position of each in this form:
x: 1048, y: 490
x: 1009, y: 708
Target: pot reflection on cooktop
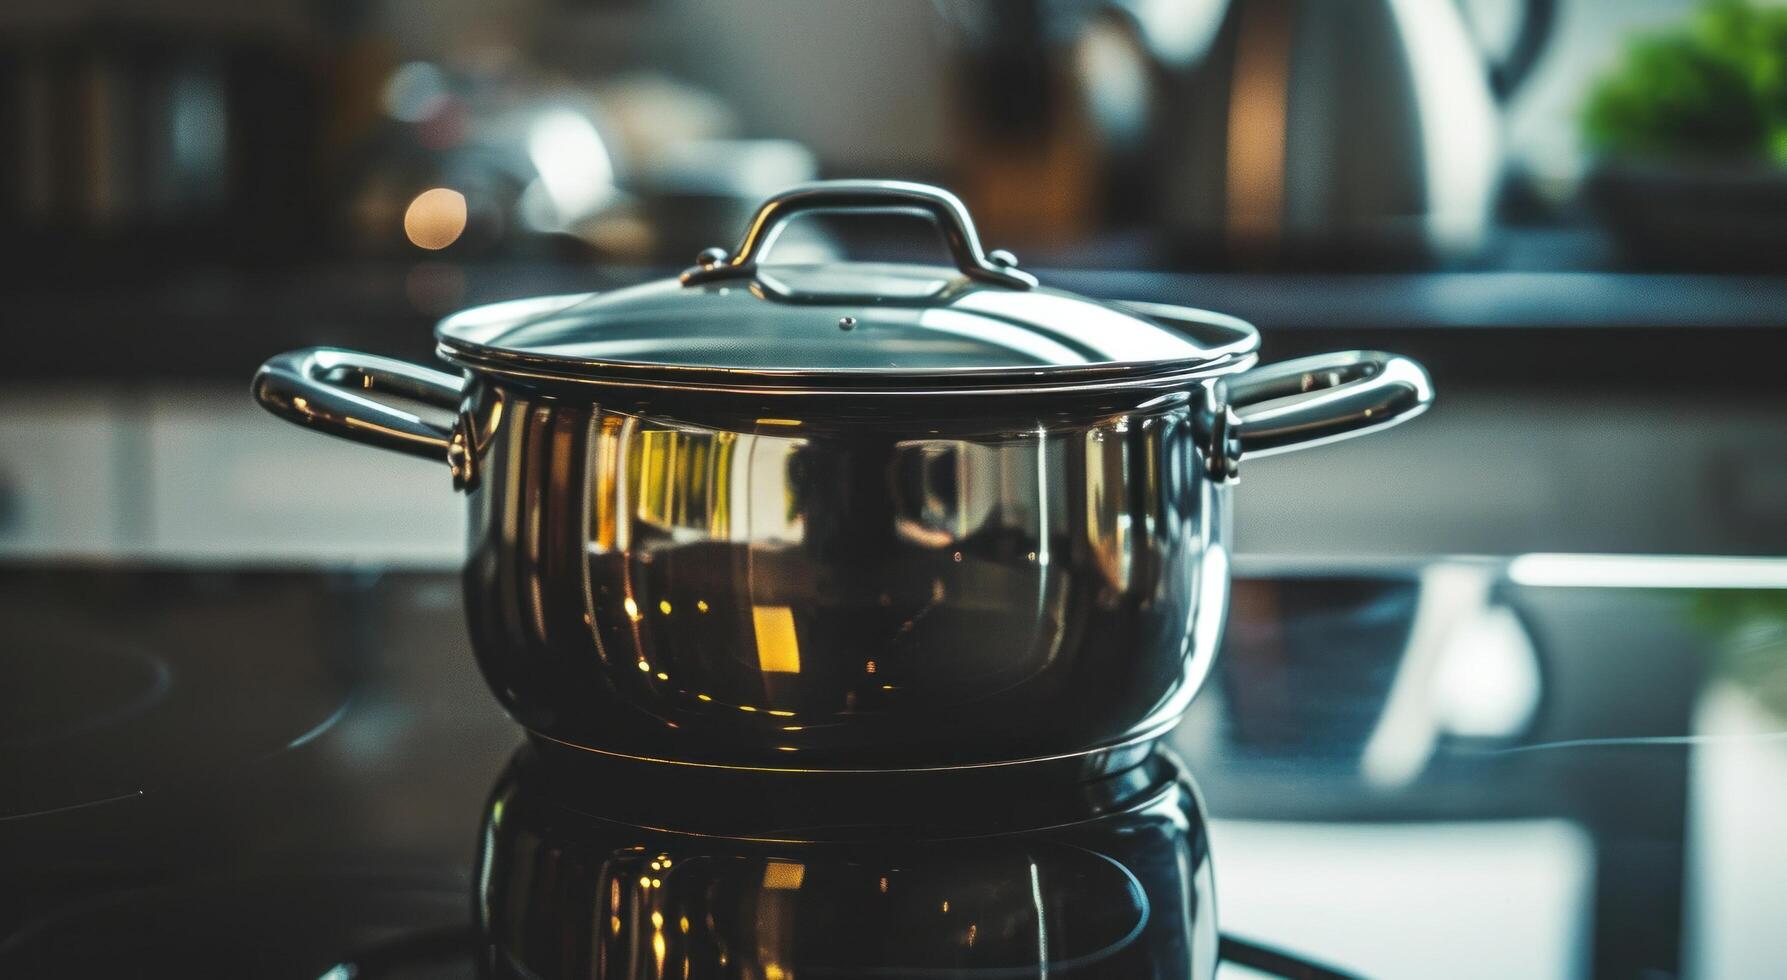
x: 565, y: 891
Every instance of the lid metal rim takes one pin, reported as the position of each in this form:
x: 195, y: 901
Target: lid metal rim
x: 1222, y: 359
x: 1008, y: 381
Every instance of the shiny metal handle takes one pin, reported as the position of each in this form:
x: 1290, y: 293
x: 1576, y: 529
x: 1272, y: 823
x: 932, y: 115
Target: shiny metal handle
x: 999, y: 267
x: 335, y: 390
x: 1324, y: 398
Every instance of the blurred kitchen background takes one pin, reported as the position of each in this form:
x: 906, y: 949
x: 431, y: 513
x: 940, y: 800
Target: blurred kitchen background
x: 1573, y: 211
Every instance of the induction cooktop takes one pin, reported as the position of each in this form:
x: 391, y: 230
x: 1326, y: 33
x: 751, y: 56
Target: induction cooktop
x: 1465, y: 768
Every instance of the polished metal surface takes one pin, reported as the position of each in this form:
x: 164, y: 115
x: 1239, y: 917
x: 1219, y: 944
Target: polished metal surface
x: 998, y: 268
x: 1335, y: 127
x: 331, y: 389
x: 1324, y: 398
x: 570, y: 884
x: 852, y: 579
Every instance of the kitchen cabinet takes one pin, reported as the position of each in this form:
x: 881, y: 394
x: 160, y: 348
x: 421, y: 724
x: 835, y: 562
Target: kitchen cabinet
x: 227, y: 480
x: 139, y: 472
x: 63, y: 486
x: 1502, y: 473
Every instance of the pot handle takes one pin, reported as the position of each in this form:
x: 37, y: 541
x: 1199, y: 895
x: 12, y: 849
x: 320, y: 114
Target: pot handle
x: 999, y: 267
x: 335, y: 390
x: 1323, y: 398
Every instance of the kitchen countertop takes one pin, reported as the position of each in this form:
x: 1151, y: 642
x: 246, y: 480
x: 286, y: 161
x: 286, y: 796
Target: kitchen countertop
x: 1556, y: 766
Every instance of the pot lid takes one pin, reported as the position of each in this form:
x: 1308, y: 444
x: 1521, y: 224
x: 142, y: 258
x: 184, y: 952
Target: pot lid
x: 733, y: 321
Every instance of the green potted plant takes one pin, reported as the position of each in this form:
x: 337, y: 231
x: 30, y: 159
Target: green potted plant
x: 1689, y: 133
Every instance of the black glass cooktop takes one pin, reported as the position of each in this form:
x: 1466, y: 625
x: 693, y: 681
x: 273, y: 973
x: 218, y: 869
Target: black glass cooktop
x: 1559, y: 767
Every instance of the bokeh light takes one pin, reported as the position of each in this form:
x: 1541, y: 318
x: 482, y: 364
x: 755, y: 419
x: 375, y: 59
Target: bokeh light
x: 435, y: 219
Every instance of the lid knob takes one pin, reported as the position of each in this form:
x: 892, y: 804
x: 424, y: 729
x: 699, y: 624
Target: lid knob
x: 999, y: 268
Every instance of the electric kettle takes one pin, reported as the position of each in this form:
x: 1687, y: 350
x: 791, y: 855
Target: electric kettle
x: 1328, y: 129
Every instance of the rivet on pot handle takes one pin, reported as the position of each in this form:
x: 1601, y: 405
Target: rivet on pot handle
x: 1324, y: 398
x: 336, y: 391
x: 998, y: 268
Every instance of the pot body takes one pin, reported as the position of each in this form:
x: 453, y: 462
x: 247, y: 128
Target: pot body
x: 865, y: 579
x: 852, y: 588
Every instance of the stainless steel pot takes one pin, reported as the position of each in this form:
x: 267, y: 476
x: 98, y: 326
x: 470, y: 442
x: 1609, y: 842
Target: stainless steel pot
x: 846, y: 516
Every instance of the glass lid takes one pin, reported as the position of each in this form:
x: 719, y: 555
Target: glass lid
x: 734, y: 321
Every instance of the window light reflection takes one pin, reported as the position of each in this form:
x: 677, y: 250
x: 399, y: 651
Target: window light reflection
x: 783, y: 875
x: 778, y: 649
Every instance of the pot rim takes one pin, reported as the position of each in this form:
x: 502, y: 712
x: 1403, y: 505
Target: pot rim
x: 1133, y: 741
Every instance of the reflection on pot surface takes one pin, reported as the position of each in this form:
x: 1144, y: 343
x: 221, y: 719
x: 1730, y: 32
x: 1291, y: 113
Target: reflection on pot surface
x: 565, y: 893
x: 781, y: 586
